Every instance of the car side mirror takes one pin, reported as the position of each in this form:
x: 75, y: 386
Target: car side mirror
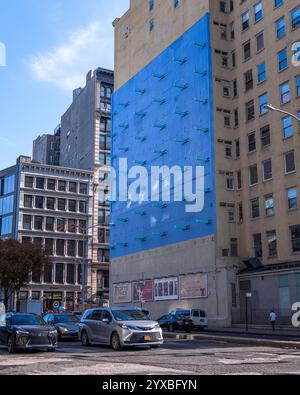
x: 106, y: 321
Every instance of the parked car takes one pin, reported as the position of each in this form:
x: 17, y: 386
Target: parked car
x: 174, y: 322
x: 67, y: 325
x: 119, y: 328
x: 27, y: 331
x: 198, y: 317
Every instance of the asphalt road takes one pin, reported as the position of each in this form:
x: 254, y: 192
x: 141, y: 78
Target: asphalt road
x: 174, y: 358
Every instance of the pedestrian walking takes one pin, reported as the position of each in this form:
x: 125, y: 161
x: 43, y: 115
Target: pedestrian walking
x: 273, y: 318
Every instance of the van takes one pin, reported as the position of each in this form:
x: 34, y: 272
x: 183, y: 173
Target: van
x: 198, y: 317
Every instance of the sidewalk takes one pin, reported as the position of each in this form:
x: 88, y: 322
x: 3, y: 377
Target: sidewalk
x: 284, y: 332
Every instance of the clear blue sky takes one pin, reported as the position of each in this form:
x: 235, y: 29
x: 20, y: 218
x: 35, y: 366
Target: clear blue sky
x: 50, y: 46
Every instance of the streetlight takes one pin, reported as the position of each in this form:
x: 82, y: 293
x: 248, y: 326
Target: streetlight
x: 274, y: 109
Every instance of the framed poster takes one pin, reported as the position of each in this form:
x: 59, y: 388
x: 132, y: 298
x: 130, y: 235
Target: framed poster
x: 122, y: 293
x: 142, y: 291
x: 166, y: 288
x: 193, y: 286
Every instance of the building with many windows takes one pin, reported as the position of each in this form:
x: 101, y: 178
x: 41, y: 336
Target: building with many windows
x: 51, y: 206
x: 192, y: 81
x: 46, y: 148
x: 85, y: 144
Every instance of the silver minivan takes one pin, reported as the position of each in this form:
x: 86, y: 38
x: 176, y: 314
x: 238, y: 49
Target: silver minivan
x: 119, y: 327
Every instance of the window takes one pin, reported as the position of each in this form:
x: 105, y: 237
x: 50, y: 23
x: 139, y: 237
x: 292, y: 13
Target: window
x: 248, y: 80
x: 101, y: 236
x: 295, y: 235
x: 285, y: 94
x: 82, y: 206
x: 49, y: 243
x: 71, y: 225
x: 50, y: 203
x: 265, y: 136
x: 258, y: 12
x: 59, y: 273
x: 250, y: 110
x: 280, y: 28
x: 103, y: 255
x: 261, y: 73
x: 252, y: 142
x: 51, y: 184
x: 246, y: 20
x: 151, y: 25
x: 295, y: 18
x: 230, y: 183
x: 272, y: 243
x: 80, y: 248
x: 263, y: 101
x: 292, y: 195
x: 28, y: 200
x: 27, y: 222
x: 83, y: 189
x: 226, y: 91
x: 151, y: 5
x: 61, y: 224
x: 61, y: 204
x: 72, y: 205
x: 247, y: 50
x: 298, y: 85
x: 71, y: 273
x: 287, y: 127
x: 38, y: 223
x: 239, y: 179
x: 28, y: 182
x: 62, y: 186
x: 82, y: 226
x: 40, y: 183
x: 257, y: 242
x: 50, y: 224
x: 255, y: 210
x: 290, y: 165
x: 253, y: 175
x: 48, y: 273
x: 176, y: 3
x: 260, y: 42
x: 267, y: 170
x: 39, y: 202
x: 269, y: 205
x: 282, y: 60
x: 60, y: 247
x: 231, y: 216
x: 278, y: 3
x: 72, y: 187
x: 234, y: 247
x: 71, y: 248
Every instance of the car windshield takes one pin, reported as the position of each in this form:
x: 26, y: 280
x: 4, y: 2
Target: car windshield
x: 27, y: 320
x: 65, y: 319
x: 130, y: 315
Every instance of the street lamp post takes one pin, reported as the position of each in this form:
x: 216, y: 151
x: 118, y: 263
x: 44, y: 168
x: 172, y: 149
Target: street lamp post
x: 275, y: 109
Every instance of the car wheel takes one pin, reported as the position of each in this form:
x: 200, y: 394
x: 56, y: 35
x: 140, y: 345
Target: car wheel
x: 11, y: 345
x: 115, y: 342
x: 85, y: 339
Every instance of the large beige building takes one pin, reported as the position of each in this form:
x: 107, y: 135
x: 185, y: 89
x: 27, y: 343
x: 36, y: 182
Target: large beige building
x: 254, y: 247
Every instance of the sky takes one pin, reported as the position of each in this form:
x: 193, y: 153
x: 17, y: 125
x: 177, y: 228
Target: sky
x: 50, y: 46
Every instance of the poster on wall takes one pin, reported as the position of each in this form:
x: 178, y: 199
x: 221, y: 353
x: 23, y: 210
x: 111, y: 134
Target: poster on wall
x: 142, y: 291
x: 193, y: 286
x: 166, y: 288
x: 122, y: 293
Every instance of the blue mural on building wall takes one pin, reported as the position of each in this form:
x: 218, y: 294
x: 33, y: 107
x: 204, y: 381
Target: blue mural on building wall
x: 164, y: 116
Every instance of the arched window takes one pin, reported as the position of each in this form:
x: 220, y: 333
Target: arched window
x: 103, y: 91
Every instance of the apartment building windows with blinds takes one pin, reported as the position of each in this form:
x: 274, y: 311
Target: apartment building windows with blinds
x: 290, y: 164
x: 269, y: 205
x: 248, y: 80
x: 272, y: 243
x: 292, y: 196
x: 295, y: 236
x: 252, y: 142
x: 253, y: 175
x: 282, y: 59
x: 267, y: 170
x: 250, y: 110
x: 260, y: 42
x: 255, y: 209
x: 285, y: 93
x: 247, y: 50
x: 265, y: 136
x: 295, y: 18
x: 261, y: 73
x: 258, y: 12
x: 257, y: 242
x: 246, y: 20
x: 280, y: 28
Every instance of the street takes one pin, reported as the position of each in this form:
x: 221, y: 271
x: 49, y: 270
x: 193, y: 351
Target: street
x: 174, y: 358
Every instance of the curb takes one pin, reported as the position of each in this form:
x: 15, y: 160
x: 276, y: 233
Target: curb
x: 235, y: 340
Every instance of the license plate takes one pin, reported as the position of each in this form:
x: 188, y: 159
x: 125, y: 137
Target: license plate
x: 147, y: 338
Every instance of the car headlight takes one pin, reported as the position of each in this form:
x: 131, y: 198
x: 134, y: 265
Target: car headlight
x: 128, y: 327
x: 64, y: 330
x: 157, y: 326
